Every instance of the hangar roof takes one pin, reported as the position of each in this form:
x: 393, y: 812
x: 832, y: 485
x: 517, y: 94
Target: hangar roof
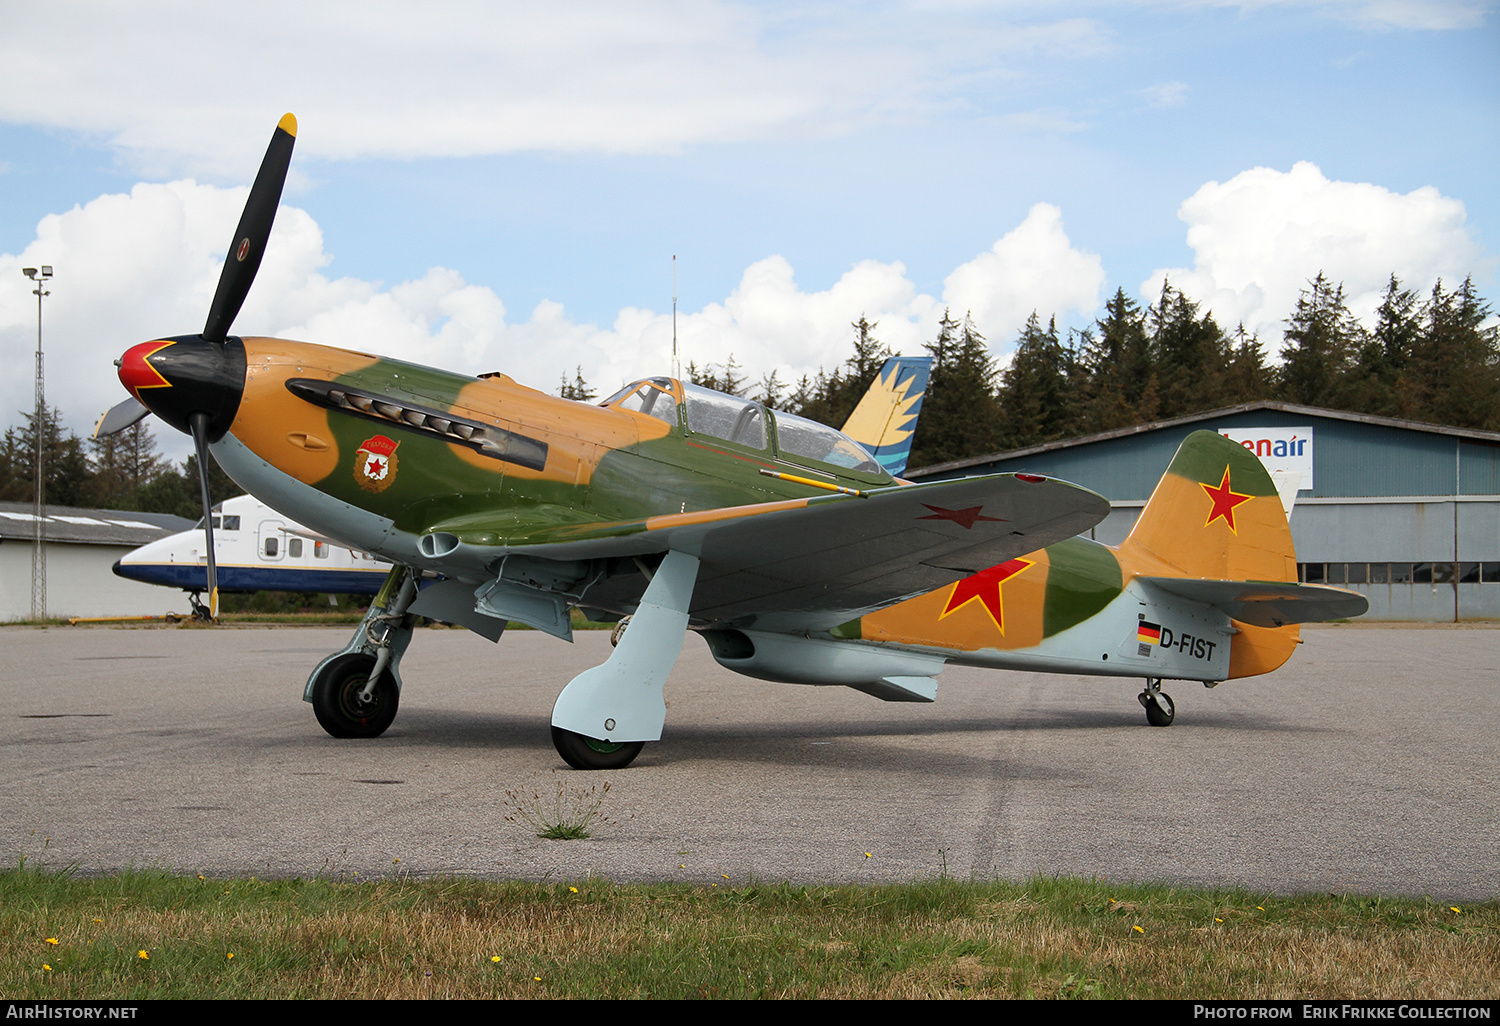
x: 88, y: 526
x: 1356, y: 454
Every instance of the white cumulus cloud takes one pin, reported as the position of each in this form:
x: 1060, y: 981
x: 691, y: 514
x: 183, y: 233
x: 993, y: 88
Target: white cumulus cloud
x: 1032, y: 268
x: 1258, y: 238
x: 145, y: 264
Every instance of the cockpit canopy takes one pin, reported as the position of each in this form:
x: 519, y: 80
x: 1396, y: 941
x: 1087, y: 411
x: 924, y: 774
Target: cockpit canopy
x: 746, y: 422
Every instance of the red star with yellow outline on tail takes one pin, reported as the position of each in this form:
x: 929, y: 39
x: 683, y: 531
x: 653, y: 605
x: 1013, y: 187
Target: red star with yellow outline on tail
x: 984, y: 587
x: 1225, y: 500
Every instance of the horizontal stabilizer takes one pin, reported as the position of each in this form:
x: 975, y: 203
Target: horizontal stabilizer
x: 1266, y: 603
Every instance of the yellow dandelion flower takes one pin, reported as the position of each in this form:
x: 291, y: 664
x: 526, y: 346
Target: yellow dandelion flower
x: 46, y: 967
x: 142, y: 954
x: 868, y: 855
x: 51, y: 940
x: 1137, y: 929
x: 1455, y: 908
x: 1217, y: 919
x: 573, y: 889
x: 494, y: 958
x: 1260, y: 908
x: 394, y: 861
x: 200, y: 876
x: 228, y: 954
x: 537, y: 979
x: 724, y: 875
x: 98, y: 920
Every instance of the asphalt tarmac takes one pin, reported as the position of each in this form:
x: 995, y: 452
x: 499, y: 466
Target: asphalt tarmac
x: 1367, y: 765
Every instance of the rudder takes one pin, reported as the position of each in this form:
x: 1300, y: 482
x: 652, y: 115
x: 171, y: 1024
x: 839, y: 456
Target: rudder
x: 885, y: 421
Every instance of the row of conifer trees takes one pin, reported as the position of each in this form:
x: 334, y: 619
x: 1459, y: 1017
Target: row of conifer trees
x: 1433, y: 358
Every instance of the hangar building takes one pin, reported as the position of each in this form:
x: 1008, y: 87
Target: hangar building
x: 82, y: 547
x: 1408, y: 514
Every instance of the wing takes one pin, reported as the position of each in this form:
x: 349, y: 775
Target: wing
x: 811, y: 563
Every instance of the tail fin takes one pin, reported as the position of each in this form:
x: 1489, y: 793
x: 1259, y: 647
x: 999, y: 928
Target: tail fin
x: 1215, y: 514
x: 886, y: 418
x: 1215, y: 532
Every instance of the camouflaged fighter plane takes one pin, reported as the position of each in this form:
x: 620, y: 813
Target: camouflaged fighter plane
x: 785, y: 544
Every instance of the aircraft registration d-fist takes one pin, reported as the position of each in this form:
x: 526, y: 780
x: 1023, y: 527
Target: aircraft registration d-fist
x: 793, y: 551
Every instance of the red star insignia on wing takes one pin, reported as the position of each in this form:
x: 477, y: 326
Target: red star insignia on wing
x: 964, y: 518
x: 1224, y: 501
x: 984, y: 587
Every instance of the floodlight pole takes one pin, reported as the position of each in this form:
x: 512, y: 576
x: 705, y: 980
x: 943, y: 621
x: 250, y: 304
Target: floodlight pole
x: 39, y: 498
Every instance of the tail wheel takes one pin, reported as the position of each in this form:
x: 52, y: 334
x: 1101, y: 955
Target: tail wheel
x: 1159, y: 708
x: 339, y: 701
x: 590, y: 753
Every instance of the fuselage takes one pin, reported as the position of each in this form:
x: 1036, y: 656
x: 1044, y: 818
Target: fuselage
x: 448, y: 472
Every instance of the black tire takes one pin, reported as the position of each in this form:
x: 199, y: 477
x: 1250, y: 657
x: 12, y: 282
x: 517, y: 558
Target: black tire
x: 1159, y: 709
x: 335, y: 697
x: 587, y: 753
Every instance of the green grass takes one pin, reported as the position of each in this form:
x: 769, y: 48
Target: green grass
x: 404, y: 938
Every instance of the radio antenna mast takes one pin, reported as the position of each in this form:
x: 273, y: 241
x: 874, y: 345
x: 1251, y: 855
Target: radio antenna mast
x: 676, y: 363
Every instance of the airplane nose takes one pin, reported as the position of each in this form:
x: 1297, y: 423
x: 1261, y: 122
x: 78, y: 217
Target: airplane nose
x: 177, y: 377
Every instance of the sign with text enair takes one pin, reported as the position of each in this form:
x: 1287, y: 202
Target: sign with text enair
x: 1288, y: 450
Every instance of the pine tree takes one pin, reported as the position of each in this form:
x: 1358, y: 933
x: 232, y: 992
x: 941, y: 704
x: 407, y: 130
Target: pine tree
x: 1247, y: 379
x: 1189, y: 355
x: 771, y: 393
x: 1453, y: 376
x: 1321, y: 341
x: 1035, y: 398
x: 1383, y: 356
x: 960, y: 415
x: 1113, y: 367
x: 577, y: 389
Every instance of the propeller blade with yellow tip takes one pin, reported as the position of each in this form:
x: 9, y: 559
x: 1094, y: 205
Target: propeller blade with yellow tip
x: 250, y: 236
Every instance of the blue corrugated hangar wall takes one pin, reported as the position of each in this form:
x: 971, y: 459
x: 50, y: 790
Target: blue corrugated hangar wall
x: 1408, y: 514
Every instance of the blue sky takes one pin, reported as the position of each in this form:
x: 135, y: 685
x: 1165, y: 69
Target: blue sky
x: 498, y: 186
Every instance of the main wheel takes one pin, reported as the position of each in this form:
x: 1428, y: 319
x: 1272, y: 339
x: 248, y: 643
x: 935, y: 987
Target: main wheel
x: 1159, y: 708
x: 337, y: 702
x: 588, y: 753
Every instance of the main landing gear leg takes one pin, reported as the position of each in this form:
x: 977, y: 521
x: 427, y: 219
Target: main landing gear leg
x: 605, y: 715
x: 355, y: 691
x: 1159, y: 707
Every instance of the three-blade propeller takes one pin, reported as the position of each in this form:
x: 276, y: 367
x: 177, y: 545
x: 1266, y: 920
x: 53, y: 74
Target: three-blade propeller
x: 240, y: 264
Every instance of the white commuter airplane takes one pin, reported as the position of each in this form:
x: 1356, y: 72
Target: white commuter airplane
x: 256, y: 549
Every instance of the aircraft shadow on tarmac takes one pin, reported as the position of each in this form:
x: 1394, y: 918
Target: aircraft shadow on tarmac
x: 860, y: 743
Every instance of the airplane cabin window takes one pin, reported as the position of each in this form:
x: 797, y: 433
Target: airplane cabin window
x: 271, y: 548
x: 294, y: 547
x: 320, y: 550
x: 232, y: 523
x: 726, y: 416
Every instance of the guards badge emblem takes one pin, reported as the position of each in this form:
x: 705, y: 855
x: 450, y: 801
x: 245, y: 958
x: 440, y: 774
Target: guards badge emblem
x: 375, y: 464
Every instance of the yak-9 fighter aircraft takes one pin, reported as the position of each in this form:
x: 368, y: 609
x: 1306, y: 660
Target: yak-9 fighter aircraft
x: 783, y: 541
